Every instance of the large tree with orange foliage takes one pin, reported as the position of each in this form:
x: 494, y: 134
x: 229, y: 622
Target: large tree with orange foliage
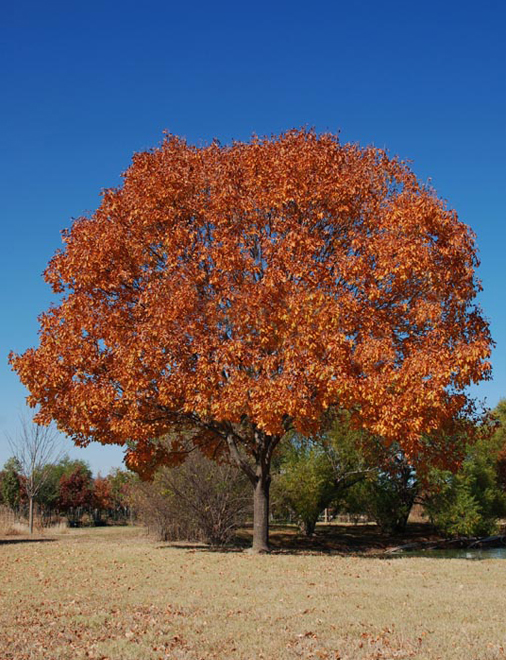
x: 224, y: 295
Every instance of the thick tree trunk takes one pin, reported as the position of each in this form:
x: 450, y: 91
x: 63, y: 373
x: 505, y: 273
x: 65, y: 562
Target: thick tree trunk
x: 259, y: 473
x: 261, y: 514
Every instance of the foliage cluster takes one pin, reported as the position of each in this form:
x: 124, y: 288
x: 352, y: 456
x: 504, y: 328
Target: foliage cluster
x: 470, y: 502
x: 352, y: 472
x: 348, y: 471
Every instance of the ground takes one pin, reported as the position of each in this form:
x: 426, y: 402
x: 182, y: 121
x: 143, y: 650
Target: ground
x: 113, y: 593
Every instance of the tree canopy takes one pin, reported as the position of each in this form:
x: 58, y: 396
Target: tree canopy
x: 225, y: 294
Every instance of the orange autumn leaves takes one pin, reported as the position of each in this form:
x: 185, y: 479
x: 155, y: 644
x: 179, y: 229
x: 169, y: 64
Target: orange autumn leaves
x: 260, y: 284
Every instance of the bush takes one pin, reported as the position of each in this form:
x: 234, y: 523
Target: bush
x: 199, y: 500
x: 471, y: 501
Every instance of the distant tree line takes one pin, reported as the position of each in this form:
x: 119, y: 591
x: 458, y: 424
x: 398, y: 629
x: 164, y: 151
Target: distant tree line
x: 69, y: 491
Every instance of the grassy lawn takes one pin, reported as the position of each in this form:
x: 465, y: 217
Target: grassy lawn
x: 112, y: 593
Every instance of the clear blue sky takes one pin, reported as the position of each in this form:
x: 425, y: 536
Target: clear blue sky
x: 84, y: 85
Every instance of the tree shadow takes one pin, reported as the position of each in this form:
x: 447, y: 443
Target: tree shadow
x: 366, y: 540
x: 14, y: 541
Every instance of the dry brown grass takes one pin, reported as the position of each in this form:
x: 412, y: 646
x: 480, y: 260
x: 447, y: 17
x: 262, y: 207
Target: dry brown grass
x: 112, y: 593
x: 9, y: 524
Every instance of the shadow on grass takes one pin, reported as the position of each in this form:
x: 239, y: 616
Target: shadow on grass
x: 336, y: 539
x: 13, y: 541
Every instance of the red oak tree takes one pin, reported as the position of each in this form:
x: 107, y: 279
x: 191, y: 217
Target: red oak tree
x: 76, y: 493
x: 223, y: 295
x: 103, y: 498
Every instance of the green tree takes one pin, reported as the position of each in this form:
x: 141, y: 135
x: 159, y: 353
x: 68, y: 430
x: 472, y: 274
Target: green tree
x: 500, y: 438
x: 470, y: 501
x: 305, y: 482
x: 314, y: 473
x: 12, y: 484
x: 389, y: 493
x: 121, y: 484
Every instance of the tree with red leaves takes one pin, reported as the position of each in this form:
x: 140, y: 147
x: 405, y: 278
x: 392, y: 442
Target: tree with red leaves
x: 224, y: 295
x: 76, y: 493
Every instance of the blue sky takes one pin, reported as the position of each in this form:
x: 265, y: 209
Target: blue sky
x: 85, y: 85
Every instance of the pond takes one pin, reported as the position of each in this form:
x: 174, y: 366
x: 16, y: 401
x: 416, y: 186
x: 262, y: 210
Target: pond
x: 458, y: 553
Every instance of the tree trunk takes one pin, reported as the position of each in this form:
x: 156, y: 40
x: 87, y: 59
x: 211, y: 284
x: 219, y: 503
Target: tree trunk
x: 30, y: 516
x: 309, y: 526
x: 261, y: 514
x: 259, y: 473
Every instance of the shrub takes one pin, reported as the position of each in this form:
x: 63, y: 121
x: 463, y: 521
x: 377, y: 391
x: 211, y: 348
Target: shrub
x: 199, y: 500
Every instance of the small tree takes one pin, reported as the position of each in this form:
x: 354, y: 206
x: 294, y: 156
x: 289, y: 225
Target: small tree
x: 12, y: 490
x: 501, y: 468
x: 314, y: 472
x: 121, y: 484
x: 500, y: 439
x: 102, y: 498
x: 76, y: 493
x: 36, y: 448
x: 305, y: 482
x: 389, y: 494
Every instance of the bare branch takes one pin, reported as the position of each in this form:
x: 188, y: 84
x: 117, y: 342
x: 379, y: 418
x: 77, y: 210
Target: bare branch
x: 36, y: 448
x: 240, y: 460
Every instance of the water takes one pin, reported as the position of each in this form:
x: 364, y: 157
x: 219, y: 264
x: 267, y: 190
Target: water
x: 463, y: 553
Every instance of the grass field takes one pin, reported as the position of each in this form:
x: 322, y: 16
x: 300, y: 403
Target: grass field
x: 112, y: 593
